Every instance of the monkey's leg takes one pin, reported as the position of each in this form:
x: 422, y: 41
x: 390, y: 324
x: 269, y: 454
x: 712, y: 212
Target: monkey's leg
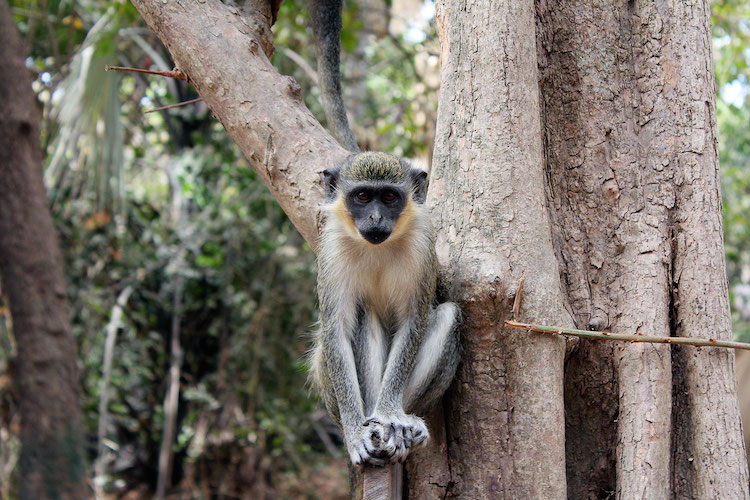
x: 434, y: 366
x: 370, y: 347
x: 436, y: 362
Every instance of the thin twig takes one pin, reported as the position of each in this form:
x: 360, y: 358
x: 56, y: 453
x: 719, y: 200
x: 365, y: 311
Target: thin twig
x: 300, y: 61
x: 556, y: 330
x: 175, y: 73
x: 109, y: 350
x: 183, y: 103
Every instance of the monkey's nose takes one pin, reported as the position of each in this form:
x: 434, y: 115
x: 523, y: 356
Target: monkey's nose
x: 376, y: 217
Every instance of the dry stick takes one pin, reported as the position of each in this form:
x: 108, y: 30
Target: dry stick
x: 175, y: 73
x: 183, y: 103
x: 626, y: 337
x: 109, y: 351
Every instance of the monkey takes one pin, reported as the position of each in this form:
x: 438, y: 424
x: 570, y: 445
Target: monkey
x: 325, y: 17
x: 385, y: 350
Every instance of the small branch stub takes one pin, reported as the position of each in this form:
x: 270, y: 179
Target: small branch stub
x: 175, y: 73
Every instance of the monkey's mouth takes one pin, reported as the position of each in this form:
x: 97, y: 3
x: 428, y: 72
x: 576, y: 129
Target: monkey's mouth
x: 375, y: 236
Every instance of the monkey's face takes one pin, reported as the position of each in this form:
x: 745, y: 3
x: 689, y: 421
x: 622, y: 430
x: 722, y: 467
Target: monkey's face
x: 375, y: 209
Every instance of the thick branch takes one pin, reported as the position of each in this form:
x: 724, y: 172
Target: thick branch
x: 225, y: 54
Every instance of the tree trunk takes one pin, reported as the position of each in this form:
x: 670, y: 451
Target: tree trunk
x: 52, y: 463
x: 575, y: 140
x: 505, y: 418
x: 629, y: 128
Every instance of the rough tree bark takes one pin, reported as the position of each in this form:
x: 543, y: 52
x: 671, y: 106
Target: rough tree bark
x: 52, y: 463
x: 609, y: 180
x: 505, y: 432
x: 634, y: 194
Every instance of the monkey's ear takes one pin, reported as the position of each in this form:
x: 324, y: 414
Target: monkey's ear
x: 419, y: 180
x: 330, y: 179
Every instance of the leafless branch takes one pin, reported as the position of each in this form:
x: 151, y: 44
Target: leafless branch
x: 627, y: 337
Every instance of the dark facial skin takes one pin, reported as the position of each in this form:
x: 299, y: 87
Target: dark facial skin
x: 375, y: 210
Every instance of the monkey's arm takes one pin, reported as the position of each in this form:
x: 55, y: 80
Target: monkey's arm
x: 407, y: 342
x: 399, y: 365
x: 337, y: 328
x: 393, y: 432
x: 339, y: 358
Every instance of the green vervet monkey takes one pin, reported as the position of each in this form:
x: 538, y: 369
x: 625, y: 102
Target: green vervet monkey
x: 385, y: 350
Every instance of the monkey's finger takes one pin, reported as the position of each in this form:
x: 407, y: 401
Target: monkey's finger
x: 375, y: 437
x: 375, y: 451
x: 421, y: 437
x: 356, y: 459
x: 390, y: 431
x: 371, y: 420
x: 408, y: 437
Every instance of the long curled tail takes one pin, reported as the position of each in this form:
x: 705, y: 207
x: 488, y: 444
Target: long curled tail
x: 326, y: 28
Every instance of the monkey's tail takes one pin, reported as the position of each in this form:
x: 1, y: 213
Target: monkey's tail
x: 326, y: 27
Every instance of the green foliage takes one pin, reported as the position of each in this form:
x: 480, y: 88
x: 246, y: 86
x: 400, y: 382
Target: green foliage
x: 731, y: 31
x: 164, y: 203
x: 390, y: 83
x: 247, y: 298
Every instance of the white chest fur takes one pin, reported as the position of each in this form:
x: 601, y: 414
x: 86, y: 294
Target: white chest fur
x: 386, y: 277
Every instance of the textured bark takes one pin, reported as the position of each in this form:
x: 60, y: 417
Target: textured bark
x: 52, y: 463
x: 505, y: 432
x: 628, y: 111
x: 225, y: 53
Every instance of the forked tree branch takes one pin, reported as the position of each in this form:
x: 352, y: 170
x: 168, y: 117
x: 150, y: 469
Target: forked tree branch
x: 224, y: 51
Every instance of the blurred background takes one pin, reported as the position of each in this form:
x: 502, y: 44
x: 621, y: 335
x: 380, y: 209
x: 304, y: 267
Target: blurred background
x: 168, y: 234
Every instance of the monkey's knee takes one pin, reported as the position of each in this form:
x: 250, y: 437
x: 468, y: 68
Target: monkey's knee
x: 436, y: 361
x: 447, y: 315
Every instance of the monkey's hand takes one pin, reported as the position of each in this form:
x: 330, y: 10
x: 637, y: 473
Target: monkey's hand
x: 392, y: 436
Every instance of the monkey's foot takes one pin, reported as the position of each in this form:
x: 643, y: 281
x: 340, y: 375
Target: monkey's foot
x: 362, y: 452
x: 392, y: 436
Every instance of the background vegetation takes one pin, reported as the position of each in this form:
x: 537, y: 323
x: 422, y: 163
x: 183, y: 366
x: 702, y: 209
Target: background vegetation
x: 160, y: 214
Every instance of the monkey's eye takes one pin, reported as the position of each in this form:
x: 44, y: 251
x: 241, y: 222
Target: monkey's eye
x: 389, y: 196
x: 363, y: 196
